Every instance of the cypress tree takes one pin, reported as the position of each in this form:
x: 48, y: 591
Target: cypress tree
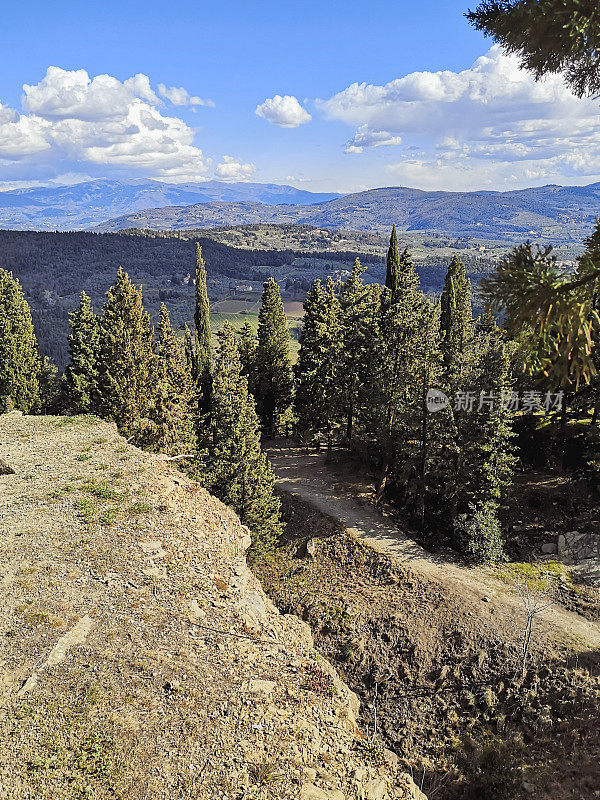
x: 392, y: 270
x: 273, y: 368
x: 456, y: 319
x: 126, y: 363
x: 189, y: 349
x: 247, y: 350
x: 234, y: 468
x: 359, y: 326
x: 170, y: 428
x: 19, y: 356
x: 319, y: 360
x: 81, y: 374
x: 203, y: 335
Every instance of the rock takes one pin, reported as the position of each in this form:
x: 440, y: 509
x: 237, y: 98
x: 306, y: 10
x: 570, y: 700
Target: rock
x: 376, y: 789
x: 561, y: 545
x: 5, y: 469
x: 549, y: 548
x: 485, y: 599
x: 256, y: 686
x: 194, y: 612
x: 311, y: 548
x: 311, y: 792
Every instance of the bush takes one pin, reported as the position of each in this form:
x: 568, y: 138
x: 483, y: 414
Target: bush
x: 492, y: 768
x: 479, y: 534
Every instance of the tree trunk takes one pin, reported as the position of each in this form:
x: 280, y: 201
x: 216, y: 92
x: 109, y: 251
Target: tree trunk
x: 563, y: 432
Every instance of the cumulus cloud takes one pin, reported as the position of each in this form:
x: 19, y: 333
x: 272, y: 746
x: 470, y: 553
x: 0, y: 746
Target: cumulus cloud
x: 233, y: 169
x: 365, y: 137
x: 491, y: 124
x: 72, y: 123
x: 284, y: 111
x: 180, y: 96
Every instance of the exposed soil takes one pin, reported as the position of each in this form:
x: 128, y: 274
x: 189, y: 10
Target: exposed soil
x: 439, y: 643
x: 139, y: 657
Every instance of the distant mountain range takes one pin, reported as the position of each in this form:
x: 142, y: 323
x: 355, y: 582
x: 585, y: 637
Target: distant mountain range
x: 83, y: 205
x: 558, y: 214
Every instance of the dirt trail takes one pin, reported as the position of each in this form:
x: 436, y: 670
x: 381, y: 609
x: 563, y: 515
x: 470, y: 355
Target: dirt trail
x: 304, y: 474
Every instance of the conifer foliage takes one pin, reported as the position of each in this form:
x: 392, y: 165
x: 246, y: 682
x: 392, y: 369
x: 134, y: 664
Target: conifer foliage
x: 170, y: 427
x: 81, y: 374
x: 126, y: 363
x: 19, y: 358
x: 272, y: 384
x: 234, y: 468
x: 202, y: 340
x: 316, y: 372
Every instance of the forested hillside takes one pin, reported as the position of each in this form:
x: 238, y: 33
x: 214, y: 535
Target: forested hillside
x: 55, y: 267
x: 557, y: 213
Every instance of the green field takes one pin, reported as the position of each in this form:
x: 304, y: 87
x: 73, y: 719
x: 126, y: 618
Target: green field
x: 237, y: 312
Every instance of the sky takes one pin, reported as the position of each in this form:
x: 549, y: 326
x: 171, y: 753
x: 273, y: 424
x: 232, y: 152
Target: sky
x: 326, y: 96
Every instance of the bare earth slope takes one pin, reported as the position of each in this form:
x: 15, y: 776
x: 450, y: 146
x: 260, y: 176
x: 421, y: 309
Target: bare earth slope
x: 139, y: 657
x: 304, y: 474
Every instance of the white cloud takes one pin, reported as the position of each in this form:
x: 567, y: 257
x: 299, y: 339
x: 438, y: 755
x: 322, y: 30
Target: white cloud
x: 72, y: 124
x: 180, y: 97
x: 491, y: 124
x: 284, y: 111
x: 233, y: 169
x: 365, y: 137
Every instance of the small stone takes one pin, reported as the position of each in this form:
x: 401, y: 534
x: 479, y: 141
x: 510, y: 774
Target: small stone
x: 549, y: 548
x: 311, y: 548
x: 5, y: 469
x: 485, y: 599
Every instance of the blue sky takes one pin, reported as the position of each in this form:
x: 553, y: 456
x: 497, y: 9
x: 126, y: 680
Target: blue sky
x: 328, y: 96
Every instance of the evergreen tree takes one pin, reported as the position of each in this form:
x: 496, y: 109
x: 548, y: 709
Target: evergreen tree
x: 392, y: 271
x: 191, y: 357
x: 247, y: 351
x: 456, y: 323
x: 273, y: 368
x: 359, y: 327
x: 398, y: 373
x: 319, y: 360
x: 170, y: 426
x: 202, y: 340
x: 19, y: 357
x: 81, y: 374
x: 50, y: 387
x: 126, y: 363
x: 549, y: 36
x: 234, y: 468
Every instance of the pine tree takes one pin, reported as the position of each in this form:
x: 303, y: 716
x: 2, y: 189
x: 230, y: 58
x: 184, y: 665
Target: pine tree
x: 170, y: 426
x: 319, y: 360
x: 202, y: 340
x: 19, y: 356
x: 234, y: 468
x: 273, y: 368
x: 81, y: 374
x: 126, y: 363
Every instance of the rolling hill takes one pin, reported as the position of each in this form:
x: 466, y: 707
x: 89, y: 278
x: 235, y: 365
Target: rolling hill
x: 560, y: 214
x: 90, y: 203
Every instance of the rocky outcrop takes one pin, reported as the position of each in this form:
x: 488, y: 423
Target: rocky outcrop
x: 583, y: 551
x: 140, y: 657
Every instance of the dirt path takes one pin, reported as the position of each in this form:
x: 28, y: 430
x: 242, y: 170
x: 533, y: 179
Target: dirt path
x: 304, y: 474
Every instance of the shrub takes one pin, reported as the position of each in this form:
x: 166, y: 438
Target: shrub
x: 479, y: 534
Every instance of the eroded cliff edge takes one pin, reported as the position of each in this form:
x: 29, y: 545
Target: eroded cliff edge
x: 139, y: 657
